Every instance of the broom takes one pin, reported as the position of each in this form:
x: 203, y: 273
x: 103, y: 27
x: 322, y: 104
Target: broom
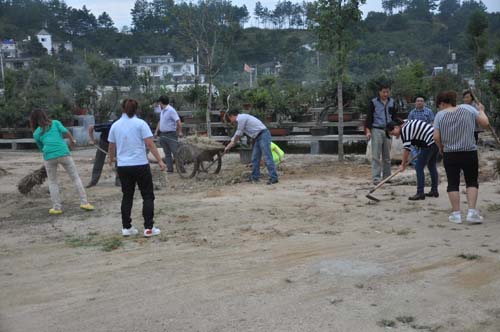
x: 35, y: 178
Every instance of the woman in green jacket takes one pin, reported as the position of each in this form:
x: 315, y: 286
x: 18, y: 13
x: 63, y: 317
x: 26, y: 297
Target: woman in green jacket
x: 48, y: 135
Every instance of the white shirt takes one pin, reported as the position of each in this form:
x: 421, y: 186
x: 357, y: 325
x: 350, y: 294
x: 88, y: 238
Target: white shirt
x: 128, y: 134
x: 248, y: 124
x: 168, y: 118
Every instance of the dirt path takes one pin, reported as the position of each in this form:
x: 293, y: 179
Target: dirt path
x: 309, y: 254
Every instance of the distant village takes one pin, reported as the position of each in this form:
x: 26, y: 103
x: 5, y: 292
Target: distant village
x: 160, y: 68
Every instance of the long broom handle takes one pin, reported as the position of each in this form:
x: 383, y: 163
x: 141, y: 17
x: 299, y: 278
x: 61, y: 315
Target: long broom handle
x: 391, y: 176
x: 495, y: 136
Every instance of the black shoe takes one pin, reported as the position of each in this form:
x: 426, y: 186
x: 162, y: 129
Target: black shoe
x: 90, y: 185
x: 417, y: 197
x: 252, y: 180
x: 170, y: 171
x: 432, y: 194
x: 272, y: 181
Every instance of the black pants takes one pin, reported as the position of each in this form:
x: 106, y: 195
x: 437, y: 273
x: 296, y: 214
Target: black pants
x: 100, y: 158
x: 465, y: 161
x: 129, y: 176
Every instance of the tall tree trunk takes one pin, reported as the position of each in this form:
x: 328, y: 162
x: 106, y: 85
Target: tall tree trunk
x: 209, y: 106
x: 340, y: 103
x: 341, y: 120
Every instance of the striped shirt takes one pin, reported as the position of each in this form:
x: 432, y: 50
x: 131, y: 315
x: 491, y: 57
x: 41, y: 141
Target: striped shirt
x: 417, y: 133
x: 425, y: 114
x: 456, y: 128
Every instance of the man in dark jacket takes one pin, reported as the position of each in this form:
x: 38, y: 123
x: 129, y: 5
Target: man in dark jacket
x: 381, y: 111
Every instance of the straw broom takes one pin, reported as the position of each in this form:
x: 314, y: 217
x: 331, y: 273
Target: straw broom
x: 35, y: 178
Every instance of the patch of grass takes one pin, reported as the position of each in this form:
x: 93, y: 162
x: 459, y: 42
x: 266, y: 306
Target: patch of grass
x: 404, y: 231
x: 111, y: 244
x: 469, y: 257
x: 493, y: 207
x: 79, y: 241
x: 405, y: 319
x: 91, y: 240
x: 386, y: 323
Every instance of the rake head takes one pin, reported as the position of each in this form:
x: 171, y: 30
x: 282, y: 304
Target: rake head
x: 370, y: 197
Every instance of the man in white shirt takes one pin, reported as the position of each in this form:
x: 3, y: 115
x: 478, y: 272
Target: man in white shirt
x: 169, y: 129
x: 253, y: 127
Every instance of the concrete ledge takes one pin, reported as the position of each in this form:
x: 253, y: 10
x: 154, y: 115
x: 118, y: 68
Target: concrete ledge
x: 18, y: 143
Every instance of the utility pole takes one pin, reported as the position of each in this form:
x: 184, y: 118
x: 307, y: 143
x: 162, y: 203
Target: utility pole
x: 3, y: 74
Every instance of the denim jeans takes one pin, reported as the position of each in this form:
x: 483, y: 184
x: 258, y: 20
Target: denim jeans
x: 262, y: 148
x: 427, y: 157
x: 129, y: 176
x: 168, y: 142
x: 381, y: 154
x: 69, y: 165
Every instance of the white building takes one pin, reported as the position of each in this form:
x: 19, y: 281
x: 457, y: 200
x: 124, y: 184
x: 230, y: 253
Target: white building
x: 45, y: 39
x: 489, y: 65
x: 8, y: 48
x: 122, y: 62
x: 162, y: 67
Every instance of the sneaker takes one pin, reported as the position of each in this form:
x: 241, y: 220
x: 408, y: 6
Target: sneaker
x: 252, y: 180
x: 129, y: 231
x: 455, y: 218
x: 88, y: 207
x: 55, y: 211
x: 272, y: 181
x: 417, y: 197
x: 90, y: 185
x: 151, y: 232
x: 376, y: 182
x: 474, y: 217
x: 432, y: 194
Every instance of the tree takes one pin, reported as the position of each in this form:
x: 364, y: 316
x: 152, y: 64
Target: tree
x: 477, y: 33
x: 421, y: 9
x: 334, y: 21
x: 105, y: 22
x: 447, y: 8
x: 210, y: 26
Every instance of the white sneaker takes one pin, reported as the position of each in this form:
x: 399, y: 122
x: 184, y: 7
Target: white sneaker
x: 474, y: 217
x: 130, y: 231
x: 151, y: 232
x: 455, y: 218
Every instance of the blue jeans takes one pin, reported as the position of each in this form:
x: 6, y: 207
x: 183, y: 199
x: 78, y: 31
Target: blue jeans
x: 427, y: 157
x: 262, y: 148
x: 168, y: 142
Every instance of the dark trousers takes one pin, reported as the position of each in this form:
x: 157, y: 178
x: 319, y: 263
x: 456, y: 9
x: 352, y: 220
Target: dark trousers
x: 427, y: 157
x: 465, y: 161
x: 168, y: 141
x: 100, y: 158
x: 129, y: 177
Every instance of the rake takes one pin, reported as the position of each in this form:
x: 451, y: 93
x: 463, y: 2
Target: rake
x: 375, y: 199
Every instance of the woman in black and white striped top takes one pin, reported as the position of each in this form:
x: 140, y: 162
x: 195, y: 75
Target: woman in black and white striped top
x: 454, y: 135
x: 419, y: 134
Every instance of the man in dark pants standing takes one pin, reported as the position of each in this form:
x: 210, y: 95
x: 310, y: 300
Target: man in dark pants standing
x: 169, y: 128
x: 100, y: 155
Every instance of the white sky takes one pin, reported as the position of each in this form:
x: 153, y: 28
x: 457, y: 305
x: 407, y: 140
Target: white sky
x: 119, y: 10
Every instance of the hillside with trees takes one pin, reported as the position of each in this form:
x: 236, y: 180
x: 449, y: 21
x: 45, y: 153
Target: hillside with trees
x: 403, y: 44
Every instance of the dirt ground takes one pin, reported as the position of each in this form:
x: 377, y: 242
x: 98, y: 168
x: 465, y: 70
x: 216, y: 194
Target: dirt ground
x: 308, y: 254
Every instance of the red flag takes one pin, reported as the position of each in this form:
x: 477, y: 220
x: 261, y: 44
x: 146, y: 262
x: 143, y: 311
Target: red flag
x: 247, y: 68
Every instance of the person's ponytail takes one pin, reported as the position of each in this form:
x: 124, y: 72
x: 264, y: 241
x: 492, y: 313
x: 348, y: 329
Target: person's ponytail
x: 131, y: 107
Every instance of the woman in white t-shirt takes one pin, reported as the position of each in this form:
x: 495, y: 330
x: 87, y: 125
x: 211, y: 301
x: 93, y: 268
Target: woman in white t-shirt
x: 129, y: 137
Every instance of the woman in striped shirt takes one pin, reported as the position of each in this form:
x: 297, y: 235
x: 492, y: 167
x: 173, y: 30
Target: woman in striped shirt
x: 454, y: 135
x: 419, y: 134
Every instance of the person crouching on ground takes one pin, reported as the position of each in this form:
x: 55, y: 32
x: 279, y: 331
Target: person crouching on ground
x: 278, y: 155
x: 454, y: 136
x: 48, y: 135
x: 127, y: 137
x: 253, y: 127
x: 418, y: 134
